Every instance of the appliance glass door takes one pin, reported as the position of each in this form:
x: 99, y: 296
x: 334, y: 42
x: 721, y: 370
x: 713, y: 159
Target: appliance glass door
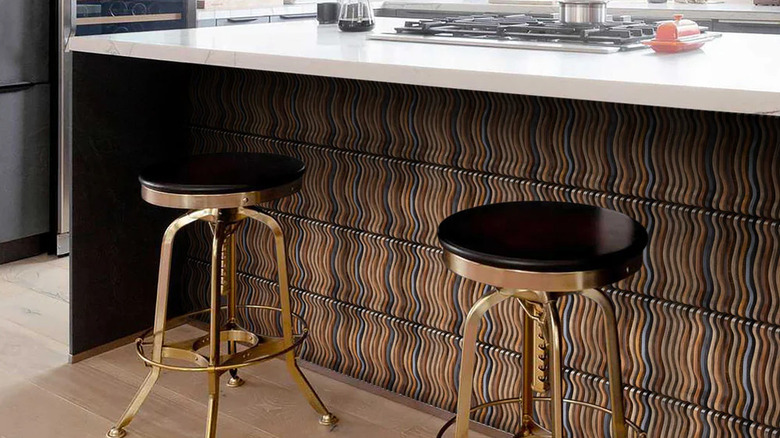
x: 116, y: 16
x: 92, y: 17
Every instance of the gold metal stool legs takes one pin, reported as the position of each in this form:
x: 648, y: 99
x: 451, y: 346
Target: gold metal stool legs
x: 215, y: 323
x: 326, y: 417
x: 539, y: 313
x: 532, y: 350
x: 469, y: 357
x: 556, y: 368
x: 223, y: 283
x: 229, y: 289
x: 163, y: 280
x: 613, y: 359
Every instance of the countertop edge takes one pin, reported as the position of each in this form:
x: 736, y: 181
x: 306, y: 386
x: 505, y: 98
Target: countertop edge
x: 637, y: 93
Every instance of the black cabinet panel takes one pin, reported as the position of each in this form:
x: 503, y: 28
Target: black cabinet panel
x: 120, y: 126
x: 24, y: 161
x: 24, y: 41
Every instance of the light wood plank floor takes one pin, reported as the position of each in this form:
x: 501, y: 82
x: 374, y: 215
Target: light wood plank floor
x: 34, y: 296
x: 83, y: 399
x: 43, y: 396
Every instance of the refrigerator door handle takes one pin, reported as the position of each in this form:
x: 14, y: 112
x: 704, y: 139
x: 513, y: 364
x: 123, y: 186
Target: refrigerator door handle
x: 18, y: 86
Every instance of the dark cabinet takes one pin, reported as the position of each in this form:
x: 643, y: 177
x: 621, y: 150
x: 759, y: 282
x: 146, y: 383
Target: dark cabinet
x: 25, y: 136
x: 25, y: 151
x: 24, y: 41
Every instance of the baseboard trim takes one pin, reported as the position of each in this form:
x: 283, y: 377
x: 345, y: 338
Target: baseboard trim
x: 23, y: 248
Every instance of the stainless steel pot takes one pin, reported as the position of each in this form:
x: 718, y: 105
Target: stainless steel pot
x: 583, y: 11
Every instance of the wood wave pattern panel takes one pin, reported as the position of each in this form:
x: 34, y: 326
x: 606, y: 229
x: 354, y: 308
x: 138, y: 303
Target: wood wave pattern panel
x: 387, y: 162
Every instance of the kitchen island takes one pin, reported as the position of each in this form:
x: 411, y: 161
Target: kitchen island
x: 397, y: 136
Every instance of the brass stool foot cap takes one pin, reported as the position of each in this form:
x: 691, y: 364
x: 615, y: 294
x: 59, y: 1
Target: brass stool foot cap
x: 532, y: 429
x: 329, y: 420
x: 235, y: 382
x: 116, y: 433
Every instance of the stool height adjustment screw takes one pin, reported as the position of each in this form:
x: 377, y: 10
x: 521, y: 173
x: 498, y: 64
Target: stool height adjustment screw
x: 540, y: 357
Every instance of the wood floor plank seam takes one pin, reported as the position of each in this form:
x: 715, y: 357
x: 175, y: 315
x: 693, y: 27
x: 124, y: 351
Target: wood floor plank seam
x: 131, y: 381
x: 78, y: 408
x: 164, y: 391
x: 67, y: 400
x: 254, y: 372
x: 49, y: 343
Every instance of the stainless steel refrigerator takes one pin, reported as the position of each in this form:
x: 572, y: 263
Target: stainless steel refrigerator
x: 25, y: 121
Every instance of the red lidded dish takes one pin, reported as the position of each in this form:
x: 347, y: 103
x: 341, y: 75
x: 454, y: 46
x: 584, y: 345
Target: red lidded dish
x: 678, y: 35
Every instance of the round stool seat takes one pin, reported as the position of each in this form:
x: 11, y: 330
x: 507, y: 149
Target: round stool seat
x: 225, y: 180
x: 597, y: 245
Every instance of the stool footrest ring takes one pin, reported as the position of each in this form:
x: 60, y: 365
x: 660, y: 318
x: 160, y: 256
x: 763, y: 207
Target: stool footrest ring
x: 637, y: 431
x: 260, y: 348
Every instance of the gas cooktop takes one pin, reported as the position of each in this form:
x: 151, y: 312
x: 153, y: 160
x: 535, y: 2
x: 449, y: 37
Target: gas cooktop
x: 526, y: 32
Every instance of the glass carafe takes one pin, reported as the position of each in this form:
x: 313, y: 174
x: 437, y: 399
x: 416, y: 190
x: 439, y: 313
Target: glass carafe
x: 356, y: 16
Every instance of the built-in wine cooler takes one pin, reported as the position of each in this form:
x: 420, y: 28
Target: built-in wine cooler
x: 88, y: 17
x: 117, y: 16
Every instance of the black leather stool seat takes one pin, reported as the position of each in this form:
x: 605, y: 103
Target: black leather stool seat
x: 215, y: 174
x: 543, y: 236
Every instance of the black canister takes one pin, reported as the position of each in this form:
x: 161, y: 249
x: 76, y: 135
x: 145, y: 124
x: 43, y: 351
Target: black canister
x: 328, y: 12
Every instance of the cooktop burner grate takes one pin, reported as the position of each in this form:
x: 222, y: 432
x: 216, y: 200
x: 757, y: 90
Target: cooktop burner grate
x: 624, y: 34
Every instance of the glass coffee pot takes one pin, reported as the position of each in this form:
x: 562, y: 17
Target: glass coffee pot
x: 356, y: 16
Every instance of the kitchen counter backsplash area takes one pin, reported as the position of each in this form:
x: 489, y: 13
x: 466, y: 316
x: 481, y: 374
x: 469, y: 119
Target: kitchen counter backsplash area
x: 700, y: 323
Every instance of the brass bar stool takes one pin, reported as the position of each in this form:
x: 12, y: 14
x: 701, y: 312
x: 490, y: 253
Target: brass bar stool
x: 219, y: 188
x: 537, y: 252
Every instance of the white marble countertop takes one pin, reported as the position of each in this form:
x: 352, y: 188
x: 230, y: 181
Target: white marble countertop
x: 707, y: 11
x: 735, y: 73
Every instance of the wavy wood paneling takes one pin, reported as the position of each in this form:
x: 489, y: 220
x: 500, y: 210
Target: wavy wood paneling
x: 723, y: 161
x: 376, y: 348
x: 669, y: 348
x: 713, y: 260
x: 386, y: 163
